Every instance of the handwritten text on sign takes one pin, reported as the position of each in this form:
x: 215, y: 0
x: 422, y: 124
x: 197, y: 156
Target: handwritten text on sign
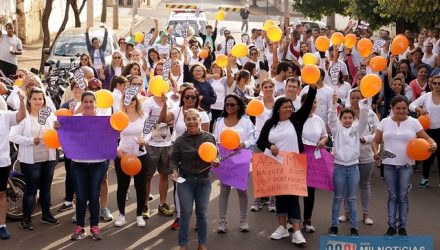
x: 271, y: 178
x: 88, y: 137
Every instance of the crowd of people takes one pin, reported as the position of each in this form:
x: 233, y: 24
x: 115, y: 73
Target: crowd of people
x: 205, y: 98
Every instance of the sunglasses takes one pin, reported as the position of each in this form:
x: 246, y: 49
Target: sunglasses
x: 117, y: 57
x: 95, y: 89
x: 227, y: 33
x: 435, y: 83
x: 230, y: 105
x: 192, y: 97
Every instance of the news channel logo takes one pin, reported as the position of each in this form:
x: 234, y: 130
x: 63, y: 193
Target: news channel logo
x: 376, y: 243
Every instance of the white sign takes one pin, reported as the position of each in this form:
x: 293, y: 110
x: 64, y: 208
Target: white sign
x: 222, y: 31
x: 166, y: 69
x: 129, y: 94
x: 147, y: 39
x: 259, y: 43
x: 78, y: 75
x: 334, y: 72
x: 230, y: 44
x: 43, y: 113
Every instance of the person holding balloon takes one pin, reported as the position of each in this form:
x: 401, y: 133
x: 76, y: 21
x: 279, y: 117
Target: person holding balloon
x: 191, y: 172
x: 428, y: 106
x: 233, y: 117
x: 399, y: 133
x: 37, y: 160
x: 131, y: 152
x: 283, y: 132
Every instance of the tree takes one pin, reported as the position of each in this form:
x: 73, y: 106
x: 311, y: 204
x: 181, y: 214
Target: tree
x: 317, y: 9
x: 76, y: 13
x: 104, y: 11
x: 425, y: 13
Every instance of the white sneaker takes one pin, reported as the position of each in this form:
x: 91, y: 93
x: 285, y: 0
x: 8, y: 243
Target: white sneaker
x: 368, y: 221
x: 309, y: 229
x: 221, y: 226
x: 244, y: 227
x: 342, y: 218
x: 140, y: 221
x: 120, y: 220
x: 279, y: 233
x: 298, y: 238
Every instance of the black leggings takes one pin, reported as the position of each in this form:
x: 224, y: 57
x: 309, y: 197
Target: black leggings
x: 140, y: 181
x: 288, y: 205
x: 435, y: 135
x: 215, y: 114
x: 309, y: 202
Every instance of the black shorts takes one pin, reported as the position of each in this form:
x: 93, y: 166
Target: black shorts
x: 4, y: 174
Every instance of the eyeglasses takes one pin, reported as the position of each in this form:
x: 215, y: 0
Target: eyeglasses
x: 230, y: 105
x: 117, y: 57
x: 187, y: 97
x: 436, y: 83
x: 254, y: 54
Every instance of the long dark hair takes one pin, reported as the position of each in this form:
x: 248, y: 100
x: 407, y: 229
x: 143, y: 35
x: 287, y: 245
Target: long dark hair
x: 34, y: 90
x: 275, y: 118
x: 241, y: 110
x: 150, y: 61
x: 127, y: 69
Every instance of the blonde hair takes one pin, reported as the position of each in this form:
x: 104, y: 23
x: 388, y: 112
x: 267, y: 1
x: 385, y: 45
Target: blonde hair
x: 191, y: 111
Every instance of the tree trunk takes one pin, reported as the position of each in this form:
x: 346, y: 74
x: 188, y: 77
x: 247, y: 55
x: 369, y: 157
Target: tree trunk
x: 63, y: 25
x: 82, y: 6
x: 104, y: 11
x: 76, y: 13
x: 46, y: 33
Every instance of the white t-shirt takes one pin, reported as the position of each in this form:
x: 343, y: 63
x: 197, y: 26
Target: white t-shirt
x: 279, y: 87
x: 3, y: 104
x: 324, y: 97
x: 179, y: 123
x: 244, y: 127
x: 164, y: 50
x: 342, y: 91
x: 159, y: 134
x: 283, y: 135
x: 97, y: 60
x: 429, y: 60
x: 130, y: 136
x: 425, y: 101
x: 396, y: 139
x: 41, y: 152
x: 220, y: 91
x: 332, y: 74
x: 261, y: 119
x: 9, y: 44
x: 296, y: 103
x: 117, y: 96
x: 7, y: 120
x: 313, y: 130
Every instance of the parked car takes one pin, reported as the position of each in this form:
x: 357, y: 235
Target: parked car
x: 196, y: 20
x: 71, y: 42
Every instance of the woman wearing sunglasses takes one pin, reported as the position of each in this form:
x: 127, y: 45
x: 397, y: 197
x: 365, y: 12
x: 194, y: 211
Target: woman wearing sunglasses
x: 113, y: 69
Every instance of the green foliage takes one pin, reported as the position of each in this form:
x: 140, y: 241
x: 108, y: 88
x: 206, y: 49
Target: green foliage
x: 425, y: 13
x: 317, y: 9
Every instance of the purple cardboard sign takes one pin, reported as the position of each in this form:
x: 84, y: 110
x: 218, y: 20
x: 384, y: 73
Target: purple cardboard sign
x: 87, y: 137
x: 234, y: 170
x: 319, y: 171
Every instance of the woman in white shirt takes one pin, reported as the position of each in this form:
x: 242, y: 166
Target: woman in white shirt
x: 132, y: 142
x: 429, y: 104
x: 37, y: 161
x: 118, y: 86
x: 113, y: 69
x: 233, y: 117
x: 219, y: 83
x: 397, y: 131
x: 429, y: 57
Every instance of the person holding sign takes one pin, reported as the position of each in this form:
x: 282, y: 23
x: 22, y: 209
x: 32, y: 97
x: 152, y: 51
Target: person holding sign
x: 133, y: 142
x: 7, y: 120
x: 233, y: 117
x: 192, y: 176
x: 396, y: 131
x: 37, y: 161
x: 283, y: 132
x: 347, y: 139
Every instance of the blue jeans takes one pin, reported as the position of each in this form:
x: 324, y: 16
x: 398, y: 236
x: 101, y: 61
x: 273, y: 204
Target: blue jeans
x: 87, y: 178
x: 397, y: 179
x: 38, y: 176
x: 346, y: 182
x: 198, y: 190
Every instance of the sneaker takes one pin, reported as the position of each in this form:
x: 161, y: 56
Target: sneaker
x: 95, y: 233
x: 4, y: 233
x: 106, y: 215
x: 342, y: 218
x: 333, y: 231
x: 175, y: 225
x: 368, y: 221
x: 298, y: 238
x: 164, y: 209
x: 146, y: 212
x: 73, y: 220
x: 27, y: 225
x: 402, y: 232
x: 289, y: 227
x: 65, y: 207
x: 272, y: 207
x: 424, y: 183
x: 221, y: 226
x: 354, y: 232
x: 120, y: 220
x: 279, y: 233
x: 309, y: 228
x: 140, y: 221
x: 257, y: 205
x: 78, y: 233
x: 390, y: 232
x: 244, y: 227
x: 49, y: 219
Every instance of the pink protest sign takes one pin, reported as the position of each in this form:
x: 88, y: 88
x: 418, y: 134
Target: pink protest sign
x: 319, y: 171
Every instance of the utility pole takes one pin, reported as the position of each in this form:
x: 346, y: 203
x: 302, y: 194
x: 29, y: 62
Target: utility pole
x: 135, y: 7
x: 115, y: 15
x: 90, y: 13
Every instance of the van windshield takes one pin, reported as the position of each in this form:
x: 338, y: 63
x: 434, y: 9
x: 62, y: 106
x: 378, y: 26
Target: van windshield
x: 71, y: 45
x: 192, y: 24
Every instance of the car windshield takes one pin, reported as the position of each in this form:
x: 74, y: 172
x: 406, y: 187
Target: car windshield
x: 72, y: 45
x: 192, y: 23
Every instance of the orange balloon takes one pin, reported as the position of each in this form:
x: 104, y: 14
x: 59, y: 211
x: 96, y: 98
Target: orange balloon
x: 230, y: 139
x: 337, y: 38
x: 255, y: 108
x: 130, y: 165
x: 203, y: 53
x: 50, y: 139
x: 207, y: 151
x: 63, y: 112
x: 378, y: 63
x: 119, y: 121
x: 364, y: 47
x: 310, y: 74
x: 222, y: 61
x: 418, y: 149
x: 371, y: 84
x: 424, y: 121
x: 350, y: 40
x: 322, y: 43
x: 399, y: 45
